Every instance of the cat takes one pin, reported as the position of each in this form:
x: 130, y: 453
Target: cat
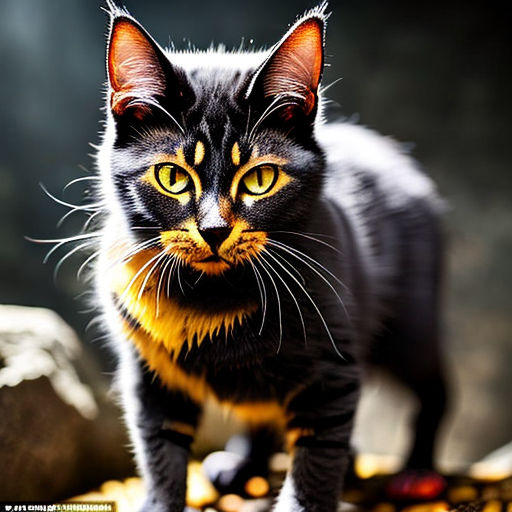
x: 254, y: 255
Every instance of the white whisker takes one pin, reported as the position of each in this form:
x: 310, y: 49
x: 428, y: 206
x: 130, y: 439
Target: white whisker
x: 289, y: 250
x: 313, y: 303
x: 291, y: 295
x: 262, y: 263
x: 77, y: 180
x: 67, y: 256
x: 263, y: 294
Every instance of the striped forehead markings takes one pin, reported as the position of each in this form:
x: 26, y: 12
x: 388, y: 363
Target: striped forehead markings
x: 199, y: 153
x: 235, y: 154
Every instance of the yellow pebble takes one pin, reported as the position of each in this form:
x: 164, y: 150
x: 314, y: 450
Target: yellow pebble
x: 384, y: 507
x: 462, y: 493
x: 434, y: 506
x: 257, y: 487
x: 200, y: 491
x: 492, y: 506
x: 230, y: 503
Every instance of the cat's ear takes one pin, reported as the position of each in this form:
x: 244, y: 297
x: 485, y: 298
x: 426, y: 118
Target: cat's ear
x: 289, y: 78
x: 140, y: 76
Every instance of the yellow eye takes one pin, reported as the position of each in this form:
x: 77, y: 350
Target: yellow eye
x: 260, y: 180
x: 172, y: 178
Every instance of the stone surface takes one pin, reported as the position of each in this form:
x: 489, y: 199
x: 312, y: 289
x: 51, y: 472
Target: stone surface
x: 60, y: 434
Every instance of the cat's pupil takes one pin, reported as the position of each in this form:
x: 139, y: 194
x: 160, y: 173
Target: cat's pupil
x: 259, y: 176
x: 172, y: 178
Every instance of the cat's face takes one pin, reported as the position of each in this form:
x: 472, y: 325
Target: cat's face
x: 215, y: 156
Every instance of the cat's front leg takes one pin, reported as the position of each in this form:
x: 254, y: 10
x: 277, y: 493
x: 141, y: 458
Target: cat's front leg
x: 320, y: 458
x: 162, y: 425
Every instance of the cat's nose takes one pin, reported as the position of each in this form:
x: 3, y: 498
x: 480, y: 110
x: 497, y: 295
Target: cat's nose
x: 215, y: 236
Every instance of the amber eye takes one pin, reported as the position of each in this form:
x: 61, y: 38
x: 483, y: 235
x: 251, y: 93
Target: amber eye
x: 260, y: 180
x: 172, y: 178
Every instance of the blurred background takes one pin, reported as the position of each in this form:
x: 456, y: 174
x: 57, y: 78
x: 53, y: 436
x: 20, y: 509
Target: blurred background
x: 437, y: 77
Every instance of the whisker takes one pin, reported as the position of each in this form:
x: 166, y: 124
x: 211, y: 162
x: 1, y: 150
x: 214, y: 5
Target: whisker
x: 310, y: 237
x: 269, y: 111
x: 67, y: 256
x: 151, y: 102
x: 291, y: 295
x: 180, y: 263
x: 289, y: 250
x: 84, y: 178
x: 263, y: 294
x: 85, y: 263
x: 169, y: 261
x: 59, y: 242
x: 137, y: 274
x: 66, y: 215
x: 88, y: 207
x: 162, y: 254
x: 169, y: 276
x: 90, y: 219
x: 313, y: 303
x: 258, y: 260
x: 295, y: 252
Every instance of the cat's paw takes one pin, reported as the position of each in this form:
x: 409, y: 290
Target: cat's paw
x: 416, y: 484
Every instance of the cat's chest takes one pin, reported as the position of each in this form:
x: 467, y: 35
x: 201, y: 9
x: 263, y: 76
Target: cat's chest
x: 141, y: 299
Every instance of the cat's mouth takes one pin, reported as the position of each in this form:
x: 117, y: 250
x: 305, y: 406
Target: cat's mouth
x: 214, y: 258
x: 242, y: 244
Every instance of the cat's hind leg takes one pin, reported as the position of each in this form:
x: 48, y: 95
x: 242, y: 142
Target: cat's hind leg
x: 410, y: 349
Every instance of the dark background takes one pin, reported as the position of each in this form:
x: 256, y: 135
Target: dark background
x: 438, y: 76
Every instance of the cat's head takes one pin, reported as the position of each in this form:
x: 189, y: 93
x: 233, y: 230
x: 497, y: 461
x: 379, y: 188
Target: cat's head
x: 214, y: 149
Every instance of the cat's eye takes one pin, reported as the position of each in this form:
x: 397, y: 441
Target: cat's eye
x: 173, y: 178
x: 260, y: 180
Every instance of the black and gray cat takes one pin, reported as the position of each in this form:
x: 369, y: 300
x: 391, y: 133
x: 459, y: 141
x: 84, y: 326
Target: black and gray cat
x: 256, y: 256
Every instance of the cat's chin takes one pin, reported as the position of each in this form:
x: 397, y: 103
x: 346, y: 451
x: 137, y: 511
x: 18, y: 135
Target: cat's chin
x: 211, y: 266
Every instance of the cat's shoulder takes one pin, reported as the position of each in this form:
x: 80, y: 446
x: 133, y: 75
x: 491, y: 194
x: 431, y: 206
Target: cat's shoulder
x: 357, y: 156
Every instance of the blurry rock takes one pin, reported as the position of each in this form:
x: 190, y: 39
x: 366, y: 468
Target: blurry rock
x: 60, y: 434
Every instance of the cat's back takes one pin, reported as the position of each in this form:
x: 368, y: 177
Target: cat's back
x: 361, y: 161
x: 390, y: 204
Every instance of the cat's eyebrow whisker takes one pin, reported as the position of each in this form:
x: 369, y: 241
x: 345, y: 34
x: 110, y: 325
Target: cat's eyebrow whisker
x: 149, y: 101
x: 313, y: 303
x: 269, y: 111
x: 263, y: 294
x: 263, y: 264
x: 328, y: 86
x: 291, y: 295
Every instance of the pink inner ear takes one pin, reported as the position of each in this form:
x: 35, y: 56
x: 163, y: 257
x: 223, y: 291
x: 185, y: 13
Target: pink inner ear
x: 296, y: 67
x: 134, y: 68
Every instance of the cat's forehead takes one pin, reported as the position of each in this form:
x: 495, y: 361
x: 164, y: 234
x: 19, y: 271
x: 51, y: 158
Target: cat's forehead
x: 217, y: 59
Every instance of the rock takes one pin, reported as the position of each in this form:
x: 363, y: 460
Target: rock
x: 60, y: 434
